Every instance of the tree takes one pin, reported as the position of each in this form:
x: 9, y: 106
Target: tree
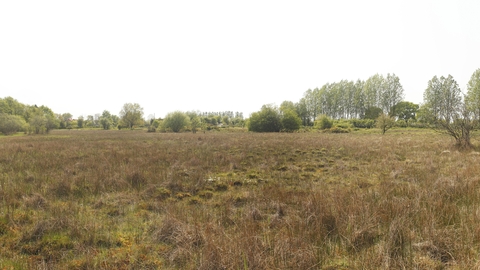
x: 266, y: 120
x: 80, y: 122
x: 131, y: 115
x: 404, y: 110
x: 472, y: 99
x: 392, y: 92
x: 384, y: 122
x: 106, y: 120
x: 372, y: 113
x: 65, y: 120
x: 446, y: 111
x: 10, y: 124
x: 42, y: 120
x: 176, y: 121
x: 291, y: 121
x: 195, y: 122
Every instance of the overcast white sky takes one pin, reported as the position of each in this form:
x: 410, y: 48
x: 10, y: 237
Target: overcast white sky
x: 84, y: 57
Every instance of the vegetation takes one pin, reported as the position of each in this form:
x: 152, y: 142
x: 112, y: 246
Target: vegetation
x: 131, y: 115
x: 176, y: 121
x: 385, y: 122
x: 137, y: 200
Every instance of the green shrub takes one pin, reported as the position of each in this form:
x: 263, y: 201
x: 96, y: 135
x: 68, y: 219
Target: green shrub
x: 323, y: 122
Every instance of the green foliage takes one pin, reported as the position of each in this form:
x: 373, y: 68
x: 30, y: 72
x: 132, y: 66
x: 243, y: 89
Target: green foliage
x: 131, y: 115
x: 80, y: 122
x: 323, y: 122
x: 384, y: 122
x: 291, y: 121
x: 42, y: 120
x: 363, y: 123
x: 372, y: 113
x: 10, y: 124
x: 266, y: 120
x: 442, y: 100
x: 472, y: 99
x: 176, y: 121
x: 404, y: 110
x: 106, y: 120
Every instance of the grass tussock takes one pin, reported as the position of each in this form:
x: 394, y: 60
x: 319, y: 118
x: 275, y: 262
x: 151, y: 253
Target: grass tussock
x: 138, y: 200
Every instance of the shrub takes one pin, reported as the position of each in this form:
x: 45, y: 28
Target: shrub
x: 10, y: 124
x: 323, y: 122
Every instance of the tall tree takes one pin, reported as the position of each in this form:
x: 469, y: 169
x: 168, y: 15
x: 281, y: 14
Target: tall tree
x: 392, y: 92
x: 447, y: 112
x: 131, y: 114
x: 472, y: 99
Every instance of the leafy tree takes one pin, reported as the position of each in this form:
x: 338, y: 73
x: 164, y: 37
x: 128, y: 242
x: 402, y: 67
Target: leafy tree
x: 301, y: 109
x: 11, y: 106
x: 446, y: 111
x: 266, y: 120
x: 64, y: 120
x: 176, y: 121
x: 106, y: 120
x: 10, y: 124
x: 42, y: 120
x: 80, y: 122
x: 291, y: 121
x: 372, y: 113
x: 195, y: 122
x: 373, y: 90
x: 384, y: 122
x: 404, y: 110
x: 131, y: 115
x: 472, y: 99
x: 443, y: 98
x: 391, y: 92
x: 287, y: 105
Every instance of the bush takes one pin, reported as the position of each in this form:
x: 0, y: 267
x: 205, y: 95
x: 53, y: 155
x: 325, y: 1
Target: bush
x: 176, y: 121
x: 10, y: 124
x: 323, y: 122
x: 291, y: 121
x: 266, y: 120
x: 363, y: 123
x: 336, y: 129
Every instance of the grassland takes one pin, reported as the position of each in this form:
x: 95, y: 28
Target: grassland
x: 137, y: 200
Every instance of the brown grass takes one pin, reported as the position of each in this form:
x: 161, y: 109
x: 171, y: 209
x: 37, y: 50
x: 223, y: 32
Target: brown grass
x: 138, y: 200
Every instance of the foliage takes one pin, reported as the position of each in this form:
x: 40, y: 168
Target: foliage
x: 372, y: 113
x: 323, y: 122
x: 290, y: 120
x: 10, y: 124
x: 472, y: 99
x: 268, y: 119
x: 80, y: 122
x: 363, y: 123
x: 106, y: 120
x: 131, y: 115
x: 385, y: 122
x: 176, y: 121
x: 405, y: 110
x: 446, y: 111
x: 65, y: 120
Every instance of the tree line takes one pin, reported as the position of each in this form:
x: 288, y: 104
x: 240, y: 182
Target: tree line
x: 378, y: 101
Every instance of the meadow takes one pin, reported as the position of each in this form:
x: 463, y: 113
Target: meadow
x: 236, y: 200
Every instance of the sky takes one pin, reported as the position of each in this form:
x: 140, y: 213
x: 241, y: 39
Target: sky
x: 84, y: 57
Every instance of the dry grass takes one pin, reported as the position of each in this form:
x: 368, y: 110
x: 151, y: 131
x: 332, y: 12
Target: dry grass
x: 137, y: 200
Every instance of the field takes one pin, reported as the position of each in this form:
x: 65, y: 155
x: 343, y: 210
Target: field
x: 138, y: 200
